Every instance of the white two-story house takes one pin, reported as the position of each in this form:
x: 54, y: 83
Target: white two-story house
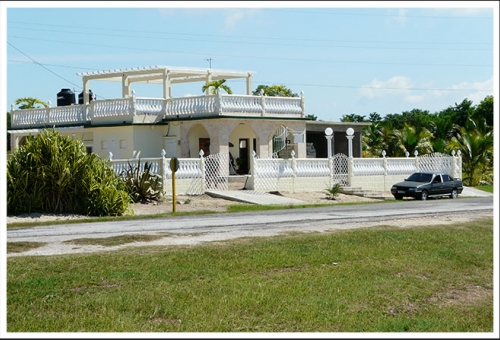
x: 139, y: 127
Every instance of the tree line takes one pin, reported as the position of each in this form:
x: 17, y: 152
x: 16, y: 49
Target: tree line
x: 462, y: 127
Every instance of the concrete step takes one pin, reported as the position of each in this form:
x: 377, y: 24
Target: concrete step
x: 366, y: 193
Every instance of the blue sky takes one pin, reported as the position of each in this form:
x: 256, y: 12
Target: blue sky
x: 347, y: 57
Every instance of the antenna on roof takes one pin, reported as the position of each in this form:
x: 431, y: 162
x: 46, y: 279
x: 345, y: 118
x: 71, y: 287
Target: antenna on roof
x: 210, y: 61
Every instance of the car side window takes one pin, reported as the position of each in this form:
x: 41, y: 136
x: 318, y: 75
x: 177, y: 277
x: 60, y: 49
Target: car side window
x: 446, y: 178
x: 437, y: 179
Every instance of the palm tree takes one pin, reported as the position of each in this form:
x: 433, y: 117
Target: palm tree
x: 373, y: 140
x: 442, y: 129
x: 30, y: 103
x: 410, y: 139
x: 216, y: 85
x: 475, y: 142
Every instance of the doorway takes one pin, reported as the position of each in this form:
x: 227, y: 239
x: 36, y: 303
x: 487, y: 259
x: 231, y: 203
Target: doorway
x: 204, y: 144
x: 242, y: 160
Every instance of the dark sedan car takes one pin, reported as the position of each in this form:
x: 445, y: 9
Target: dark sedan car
x: 423, y: 185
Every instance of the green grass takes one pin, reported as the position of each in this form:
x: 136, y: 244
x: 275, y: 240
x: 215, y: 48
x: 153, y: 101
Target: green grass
x: 19, y: 247
x: 231, y: 209
x: 487, y: 188
x: 385, y: 279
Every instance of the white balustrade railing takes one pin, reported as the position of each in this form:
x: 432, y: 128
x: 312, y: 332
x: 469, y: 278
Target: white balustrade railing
x: 283, y: 105
x: 127, y: 108
x: 271, y: 174
x: 188, y: 168
x: 368, y: 166
x: 400, y: 166
x: 371, y: 173
x: 240, y: 104
x: 149, y: 106
x: 191, y: 106
x: 111, y: 108
x: 312, y: 167
x: 48, y: 116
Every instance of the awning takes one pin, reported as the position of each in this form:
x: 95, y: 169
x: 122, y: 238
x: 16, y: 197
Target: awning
x: 28, y: 131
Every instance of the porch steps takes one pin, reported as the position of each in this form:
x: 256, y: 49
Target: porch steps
x: 237, y: 182
x: 382, y: 195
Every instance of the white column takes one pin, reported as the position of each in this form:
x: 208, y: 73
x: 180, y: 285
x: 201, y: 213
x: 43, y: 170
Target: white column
x: 249, y: 84
x: 167, y: 93
x: 329, y: 136
x: 350, y: 136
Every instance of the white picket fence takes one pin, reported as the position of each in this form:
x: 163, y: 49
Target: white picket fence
x: 197, y: 175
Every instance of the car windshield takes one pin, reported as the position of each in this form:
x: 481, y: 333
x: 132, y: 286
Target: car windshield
x: 420, y: 177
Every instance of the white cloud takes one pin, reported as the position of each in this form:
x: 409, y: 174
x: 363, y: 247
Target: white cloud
x: 234, y: 17
x: 401, y: 89
x: 379, y: 88
x: 459, y: 12
x: 399, y: 15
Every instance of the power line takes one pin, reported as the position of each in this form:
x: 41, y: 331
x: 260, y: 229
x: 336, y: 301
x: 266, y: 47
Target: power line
x: 312, y: 85
x: 251, y: 57
x: 261, y: 42
x: 41, y: 65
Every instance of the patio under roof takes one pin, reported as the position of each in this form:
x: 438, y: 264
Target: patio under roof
x: 166, y: 75
x: 157, y: 74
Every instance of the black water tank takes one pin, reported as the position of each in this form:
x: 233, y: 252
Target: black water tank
x: 91, y: 97
x: 66, y: 97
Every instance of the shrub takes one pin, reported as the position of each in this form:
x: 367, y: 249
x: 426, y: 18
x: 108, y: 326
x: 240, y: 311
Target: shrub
x: 143, y: 185
x: 54, y: 174
x: 333, y: 191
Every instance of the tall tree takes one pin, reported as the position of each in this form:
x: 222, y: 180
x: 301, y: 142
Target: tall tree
x: 352, y: 118
x: 415, y: 117
x: 475, y: 142
x: 412, y: 138
x: 460, y: 112
x: 30, y: 103
x: 216, y: 85
x: 485, y: 110
x: 374, y: 117
x: 274, y: 91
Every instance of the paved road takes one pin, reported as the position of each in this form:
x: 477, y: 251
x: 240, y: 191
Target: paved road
x: 229, y: 225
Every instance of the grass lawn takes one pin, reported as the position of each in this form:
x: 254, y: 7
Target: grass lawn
x: 384, y: 279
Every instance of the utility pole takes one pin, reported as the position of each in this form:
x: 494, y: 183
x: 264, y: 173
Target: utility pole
x: 210, y: 61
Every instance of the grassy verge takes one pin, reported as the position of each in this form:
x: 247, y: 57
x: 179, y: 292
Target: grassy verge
x: 231, y: 209
x: 387, y: 279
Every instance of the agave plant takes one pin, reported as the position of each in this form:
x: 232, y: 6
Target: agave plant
x: 143, y: 185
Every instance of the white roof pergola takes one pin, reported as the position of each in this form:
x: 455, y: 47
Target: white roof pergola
x: 166, y: 75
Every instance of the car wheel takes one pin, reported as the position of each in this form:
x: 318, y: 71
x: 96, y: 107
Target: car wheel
x: 424, y: 195
x: 398, y: 197
x: 454, y: 194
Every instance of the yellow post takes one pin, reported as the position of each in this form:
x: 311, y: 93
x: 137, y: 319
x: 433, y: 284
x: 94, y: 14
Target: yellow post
x: 174, y: 196
x: 174, y: 165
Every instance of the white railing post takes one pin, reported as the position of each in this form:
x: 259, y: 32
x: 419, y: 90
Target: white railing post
x: 203, y: 171
x: 262, y: 103
x: 302, y: 104
x: 294, y: 169
x: 133, y: 103
x: 350, y: 161
x: 331, y: 167
x: 218, y: 103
